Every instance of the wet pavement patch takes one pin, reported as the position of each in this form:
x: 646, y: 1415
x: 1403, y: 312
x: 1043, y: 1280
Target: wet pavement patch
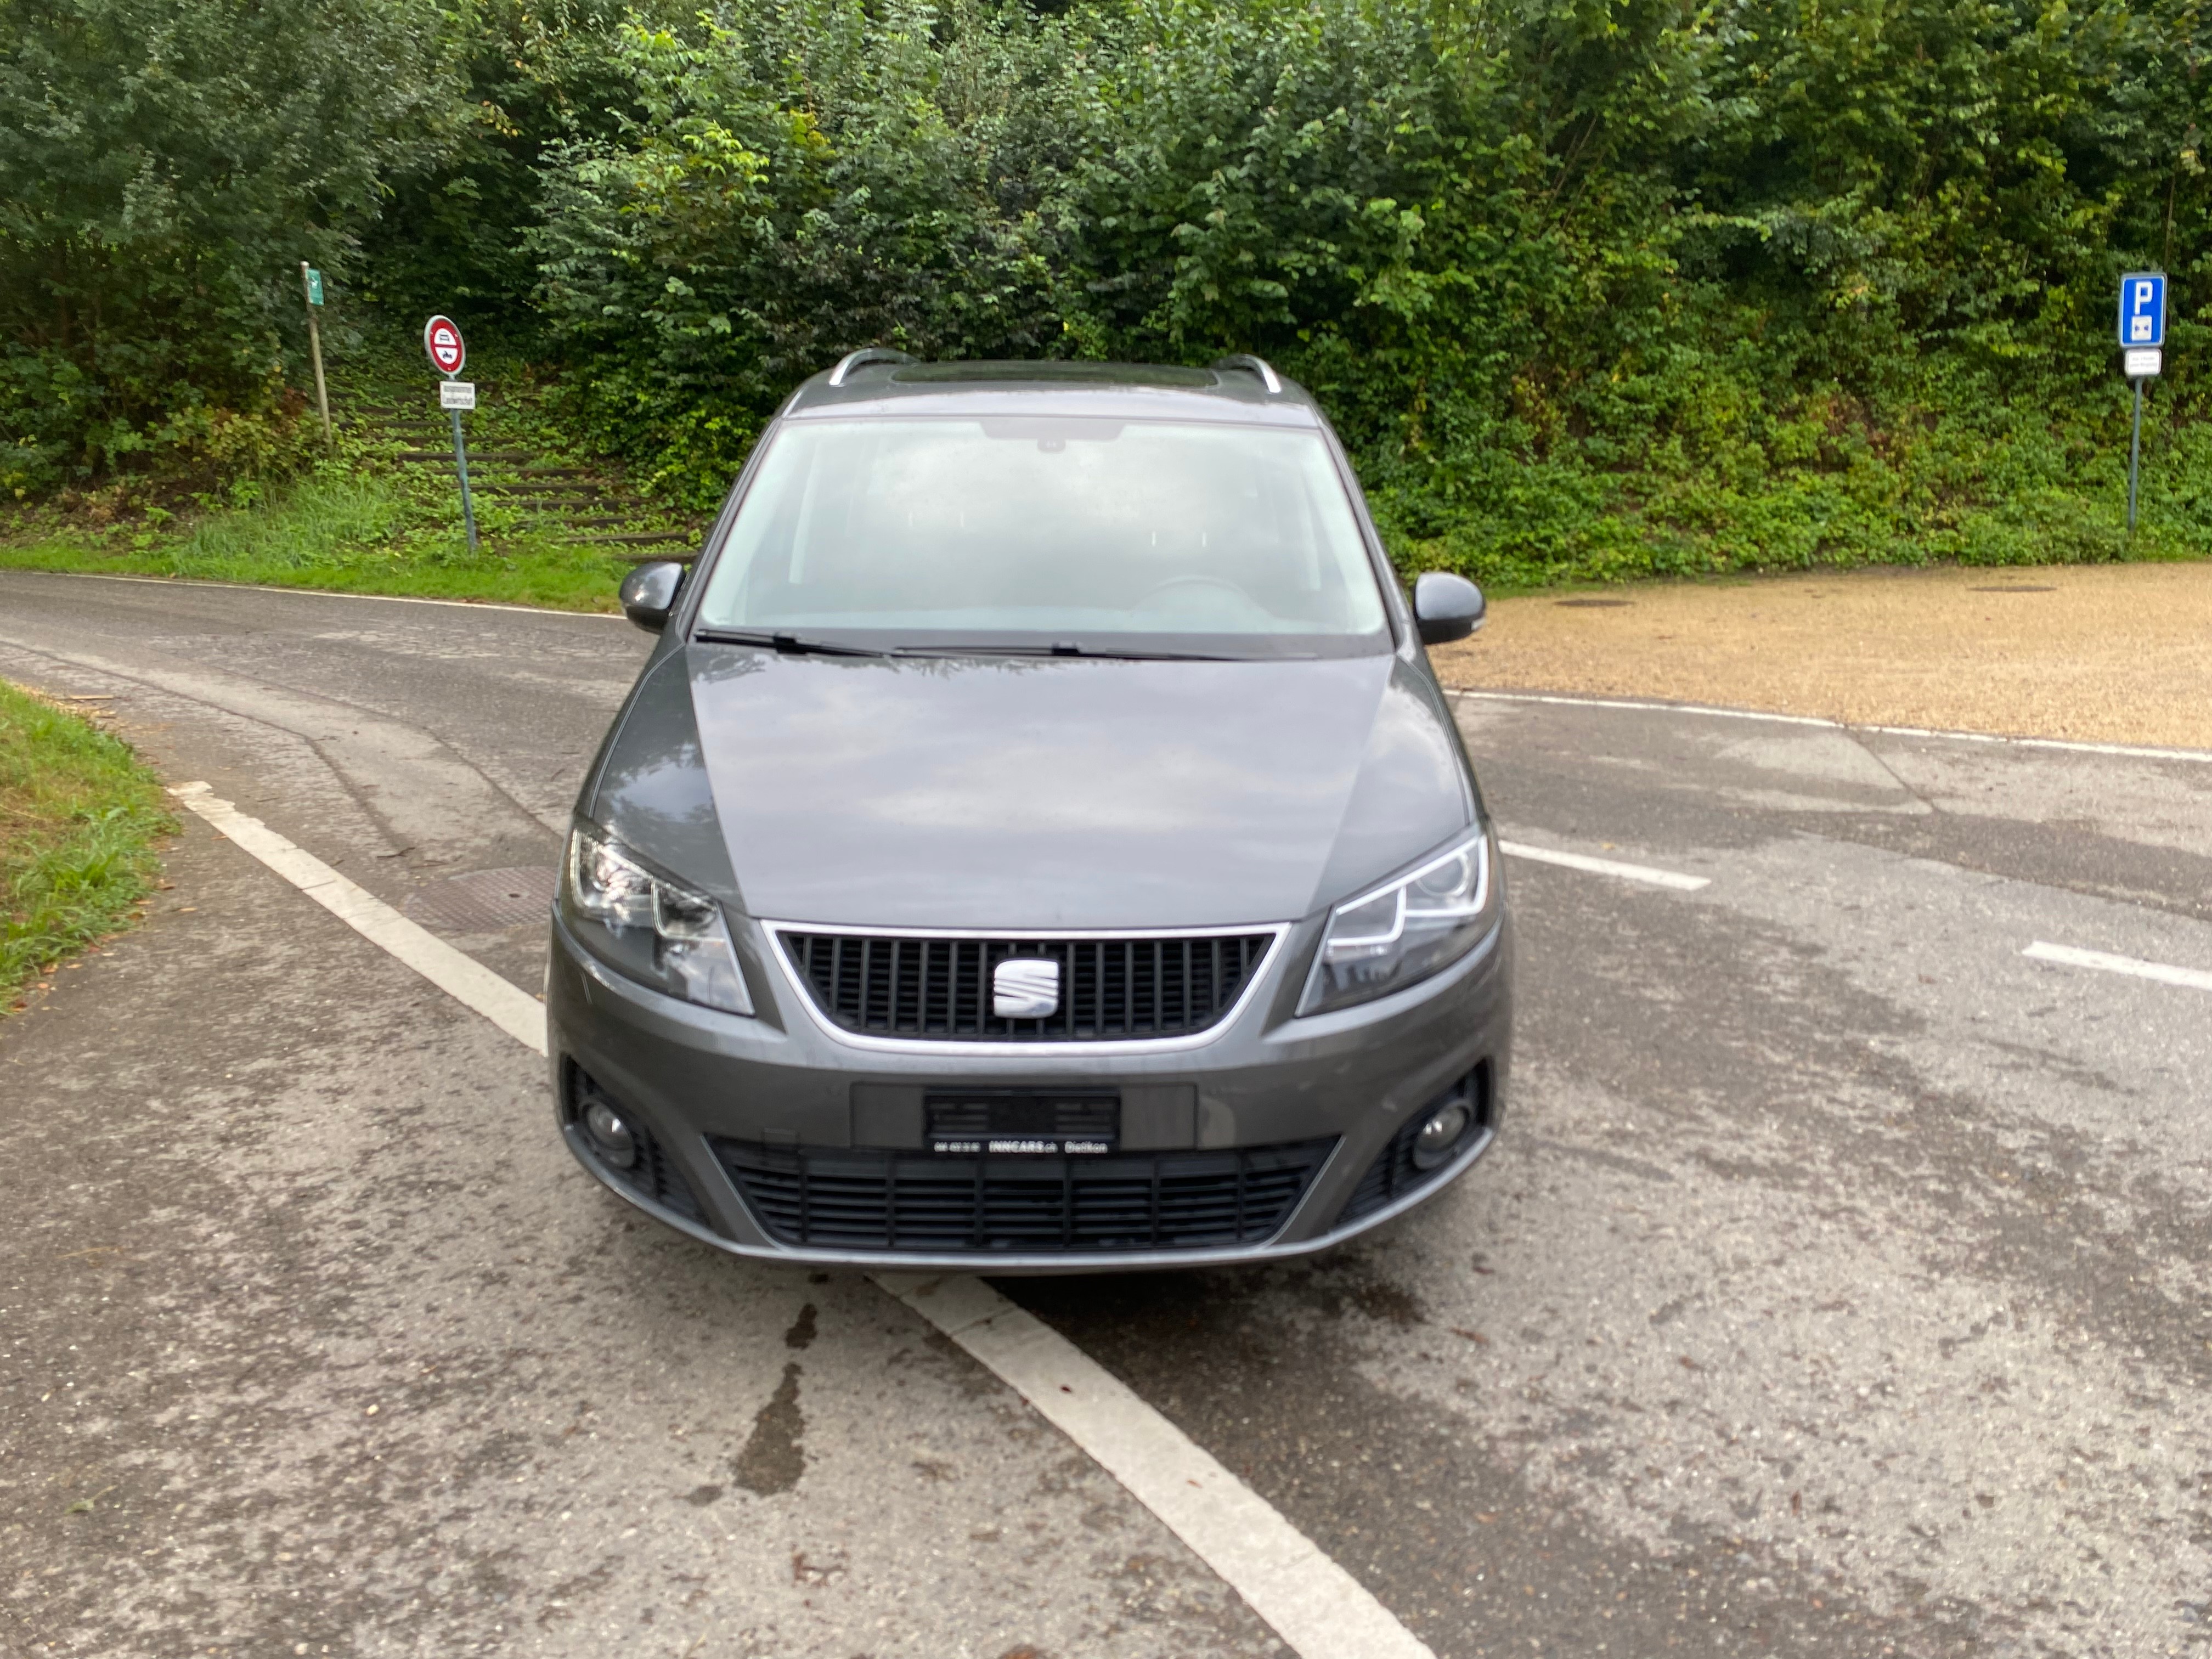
x: 772, y: 1460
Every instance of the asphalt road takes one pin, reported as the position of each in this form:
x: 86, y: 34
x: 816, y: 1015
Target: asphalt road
x: 1838, y: 1285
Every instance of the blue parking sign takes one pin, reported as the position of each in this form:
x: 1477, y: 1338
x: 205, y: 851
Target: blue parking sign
x: 2142, y: 308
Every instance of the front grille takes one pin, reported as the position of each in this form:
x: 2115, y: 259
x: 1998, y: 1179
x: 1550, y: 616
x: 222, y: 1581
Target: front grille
x: 654, y: 1176
x: 940, y: 988
x: 1393, y: 1173
x: 885, y: 1200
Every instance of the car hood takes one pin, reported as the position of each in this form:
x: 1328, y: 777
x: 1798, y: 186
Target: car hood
x: 1025, y: 793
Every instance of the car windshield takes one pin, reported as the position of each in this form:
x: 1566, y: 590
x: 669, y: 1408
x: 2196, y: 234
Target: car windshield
x: 1097, y: 535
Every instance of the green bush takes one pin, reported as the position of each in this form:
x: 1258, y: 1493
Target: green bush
x: 799, y: 177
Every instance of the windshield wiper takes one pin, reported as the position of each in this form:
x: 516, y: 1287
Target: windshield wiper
x: 789, y: 645
x: 1063, y: 649
x: 797, y: 645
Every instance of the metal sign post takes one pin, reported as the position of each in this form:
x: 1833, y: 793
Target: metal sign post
x: 447, y: 351
x: 312, y: 280
x: 2142, y: 357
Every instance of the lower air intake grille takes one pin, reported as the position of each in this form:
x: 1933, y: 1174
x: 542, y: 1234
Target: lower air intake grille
x: 1393, y: 1173
x: 884, y: 1201
x: 940, y: 989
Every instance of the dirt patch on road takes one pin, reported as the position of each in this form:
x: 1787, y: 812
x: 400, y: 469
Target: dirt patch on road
x: 2108, y: 653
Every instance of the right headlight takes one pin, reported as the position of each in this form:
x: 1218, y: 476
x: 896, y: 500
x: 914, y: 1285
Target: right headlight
x: 661, y: 931
x: 1399, y: 934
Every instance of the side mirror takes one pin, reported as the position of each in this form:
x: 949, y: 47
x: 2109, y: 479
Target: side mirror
x: 648, y: 593
x: 1446, y: 607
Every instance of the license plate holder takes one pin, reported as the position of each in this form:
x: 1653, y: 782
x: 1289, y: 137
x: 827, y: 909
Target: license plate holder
x: 1022, y: 1122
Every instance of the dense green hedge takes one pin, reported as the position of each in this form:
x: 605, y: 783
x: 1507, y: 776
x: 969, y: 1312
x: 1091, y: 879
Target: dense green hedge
x: 1592, y: 288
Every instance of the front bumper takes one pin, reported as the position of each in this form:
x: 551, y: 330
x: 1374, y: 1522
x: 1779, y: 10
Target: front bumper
x: 698, y: 1082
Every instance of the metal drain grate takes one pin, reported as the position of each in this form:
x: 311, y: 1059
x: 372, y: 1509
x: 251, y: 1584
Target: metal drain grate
x: 485, y: 901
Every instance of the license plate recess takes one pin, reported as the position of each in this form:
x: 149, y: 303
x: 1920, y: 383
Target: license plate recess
x: 1022, y: 1122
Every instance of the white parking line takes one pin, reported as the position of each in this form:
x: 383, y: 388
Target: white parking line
x: 456, y: 973
x: 1310, y: 1602
x: 2198, y: 756
x: 1643, y: 872
x: 1317, y: 1607
x: 2165, y: 972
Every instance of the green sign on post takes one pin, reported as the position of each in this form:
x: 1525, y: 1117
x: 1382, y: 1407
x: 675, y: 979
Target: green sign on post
x: 312, y: 280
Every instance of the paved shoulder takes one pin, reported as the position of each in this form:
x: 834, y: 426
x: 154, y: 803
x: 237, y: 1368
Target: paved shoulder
x: 312, y: 1333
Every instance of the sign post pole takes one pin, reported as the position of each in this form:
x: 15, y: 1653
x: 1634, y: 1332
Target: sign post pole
x: 468, y: 508
x: 442, y: 340
x: 2134, y: 457
x: 312, y: 281
x: 2142, y: 356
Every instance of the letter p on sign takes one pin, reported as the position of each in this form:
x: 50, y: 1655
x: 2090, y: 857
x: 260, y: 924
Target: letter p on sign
x: 2142, y: 308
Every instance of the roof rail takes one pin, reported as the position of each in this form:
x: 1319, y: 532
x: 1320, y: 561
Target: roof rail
x: 866, y: 355
x: 1258, y: 366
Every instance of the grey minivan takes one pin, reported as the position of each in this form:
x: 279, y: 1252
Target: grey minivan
x: 1036, y: 842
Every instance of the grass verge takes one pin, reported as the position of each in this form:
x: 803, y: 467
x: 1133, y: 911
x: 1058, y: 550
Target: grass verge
x: 79, y: 816
x: 362, y: 518
x: 350, y: 532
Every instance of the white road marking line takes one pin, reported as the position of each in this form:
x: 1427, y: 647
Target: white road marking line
x: 1642, y: 703
x: 2165, y: 972
x: 2136, y: 751
x: 1311, y: 1602
x: 456, y: 973
x: 325, y: 594
x: 1643, y: 872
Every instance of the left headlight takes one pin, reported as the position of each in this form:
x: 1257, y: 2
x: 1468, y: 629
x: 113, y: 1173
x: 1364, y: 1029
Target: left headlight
x: 1399, y: 934
x: 670, y: 936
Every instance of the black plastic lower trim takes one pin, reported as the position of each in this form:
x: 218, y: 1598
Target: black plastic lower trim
x: 655, y: 1175
x: 864, y: 1199
x: 1393, y: 1173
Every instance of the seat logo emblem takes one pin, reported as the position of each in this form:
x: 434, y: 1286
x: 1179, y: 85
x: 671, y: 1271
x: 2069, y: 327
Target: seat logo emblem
x: 1025, y: 987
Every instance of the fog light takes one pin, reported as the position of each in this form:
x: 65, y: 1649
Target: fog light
x: 610, y: 1136
x: 1433, y: 1142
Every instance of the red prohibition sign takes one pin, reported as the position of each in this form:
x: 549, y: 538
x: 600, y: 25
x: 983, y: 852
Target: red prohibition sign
x: 441, y: 338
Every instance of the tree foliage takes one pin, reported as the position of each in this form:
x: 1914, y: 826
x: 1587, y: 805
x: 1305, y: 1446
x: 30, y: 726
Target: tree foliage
x: 792, y: 181
x: 165, y: 165
x: 1591, y: 286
